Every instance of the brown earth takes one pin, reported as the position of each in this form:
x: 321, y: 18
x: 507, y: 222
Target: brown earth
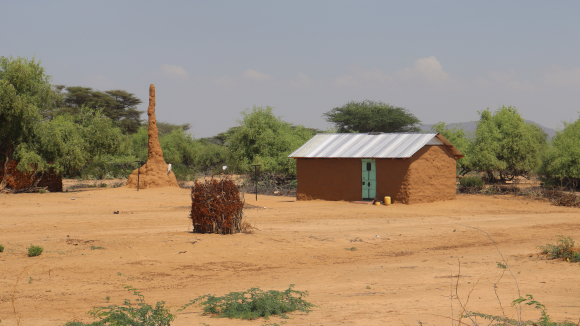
x: 404, y: 268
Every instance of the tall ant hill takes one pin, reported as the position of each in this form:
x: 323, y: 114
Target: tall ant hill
x: 154, y: 174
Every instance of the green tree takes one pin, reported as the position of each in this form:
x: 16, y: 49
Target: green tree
x: 166, y: 127
x: 459, y: 139
x: 506, y: 144
x: 24, y: 90
x: 370, y: 116
x: 118, y: 105
x: 67, y: 143
x: 562, y: 161
x: 262, y: 138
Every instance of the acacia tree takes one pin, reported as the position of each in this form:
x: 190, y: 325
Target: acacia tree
x: 370, y: 116
x: 119, y: 105
x: 262, y: 138
x: 24, y: 90
x: 459, y: 139
x: 506, y: 144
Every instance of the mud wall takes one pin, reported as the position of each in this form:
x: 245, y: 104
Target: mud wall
x: 18, y: 180
x: 329, y: 179
x: 392, y: 179
x: 431, y: 176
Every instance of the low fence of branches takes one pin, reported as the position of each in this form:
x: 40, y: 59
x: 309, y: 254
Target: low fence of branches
x: 556, y: 196
x: 216, y: 207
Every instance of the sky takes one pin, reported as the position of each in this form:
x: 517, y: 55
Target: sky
x: 211, y: 60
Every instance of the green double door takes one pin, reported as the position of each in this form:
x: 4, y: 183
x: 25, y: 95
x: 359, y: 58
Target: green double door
x: 369, y: 179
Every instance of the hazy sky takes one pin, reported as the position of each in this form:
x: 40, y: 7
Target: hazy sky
x: 210, y: 60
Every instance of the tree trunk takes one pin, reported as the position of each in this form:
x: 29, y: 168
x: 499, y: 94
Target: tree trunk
x: 8, y: 154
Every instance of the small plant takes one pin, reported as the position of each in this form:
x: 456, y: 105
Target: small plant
x: 42, y: 191
x: 108, y: 298
x: 253, y: 303
x: 368, y: 287
x: 103, y: 185
x: 351, y: 249
x: 34, y: 251
x: 95, y: 248
x: 30, y: 279
x: 501, y: 265
x: 1, y: 248
x: 471, y: 182
x: 563, y: 250
x: 130, y: 314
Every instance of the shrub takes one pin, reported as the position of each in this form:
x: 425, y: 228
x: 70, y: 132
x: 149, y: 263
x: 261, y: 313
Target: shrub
x: 129, y: 315
x: 42, y: 191
x: 253, y: 303
x: 216, y: 207
x: 471, y: 182
x: 34, y: 251
x: 1, y: 248
x: 563, y: 250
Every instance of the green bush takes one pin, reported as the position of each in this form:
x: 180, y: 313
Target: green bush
x: 253, y: 303
x: 34, y: 251
x: 142, y: 314
x: 563, y: 250
x: 1, y: 248
x: 471, y: 182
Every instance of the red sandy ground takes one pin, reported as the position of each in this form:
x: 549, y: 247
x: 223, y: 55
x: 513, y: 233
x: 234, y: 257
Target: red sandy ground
x: 402, y: 272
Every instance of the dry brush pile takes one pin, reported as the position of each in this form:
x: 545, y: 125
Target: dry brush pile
x: 17, y: 181
x: 216, y: 207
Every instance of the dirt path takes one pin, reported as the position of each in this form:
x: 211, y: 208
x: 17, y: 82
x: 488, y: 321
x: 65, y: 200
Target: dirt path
x: 402, y: 271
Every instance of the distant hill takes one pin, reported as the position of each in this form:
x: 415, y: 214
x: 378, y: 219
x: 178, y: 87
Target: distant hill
x: 471, y: 126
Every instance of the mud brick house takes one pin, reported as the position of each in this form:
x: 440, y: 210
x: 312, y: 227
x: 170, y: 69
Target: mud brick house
x: 408, y: 167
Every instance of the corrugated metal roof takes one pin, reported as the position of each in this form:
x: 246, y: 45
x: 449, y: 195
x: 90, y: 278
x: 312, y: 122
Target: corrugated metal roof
x: 387, y: 145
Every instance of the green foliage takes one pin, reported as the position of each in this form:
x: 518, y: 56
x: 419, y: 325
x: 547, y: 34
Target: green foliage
x: 118, y: 105
x: 457, y: 137
x: 166, y: 127
x: 544, y: 319
x: 24, y: 90
x: 67, y: 142
x: 506, y: 144
x: 34, y: 251
x: 1, y: 248
x: 265, y: 139
x: 563, y: 250
x: 253, y: 303
x: 471, y: 182
x: 351, y: 249
x: 128, y: 314
x: 562, y: 162
x: 42, y: 191
x: 501, y: 265
x: 370, y: 116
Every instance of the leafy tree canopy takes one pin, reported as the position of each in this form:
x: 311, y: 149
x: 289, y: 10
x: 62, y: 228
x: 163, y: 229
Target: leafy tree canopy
x: 119, y: 105
x: 562, y: 161
x: 370, y: 116
x: 505, y: 143
x: 458, y: 138
x: 67, y: 143
x: 166, y: 127
x: 24, y: 90
x: 262, y: 138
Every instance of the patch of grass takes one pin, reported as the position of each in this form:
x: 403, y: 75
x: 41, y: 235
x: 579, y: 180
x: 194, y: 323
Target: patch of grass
x: 130, y: 314
x: 103, y: 185
x: 253, y: 303
x: 351, y: 249
x: 30, y: 279
x: 368, y: 287
x: 501, y: 265
x: 34, y: 251
x: 565, y: 249
x: 95, y: 248
x: 42, y: 191
x: 1, y: 248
